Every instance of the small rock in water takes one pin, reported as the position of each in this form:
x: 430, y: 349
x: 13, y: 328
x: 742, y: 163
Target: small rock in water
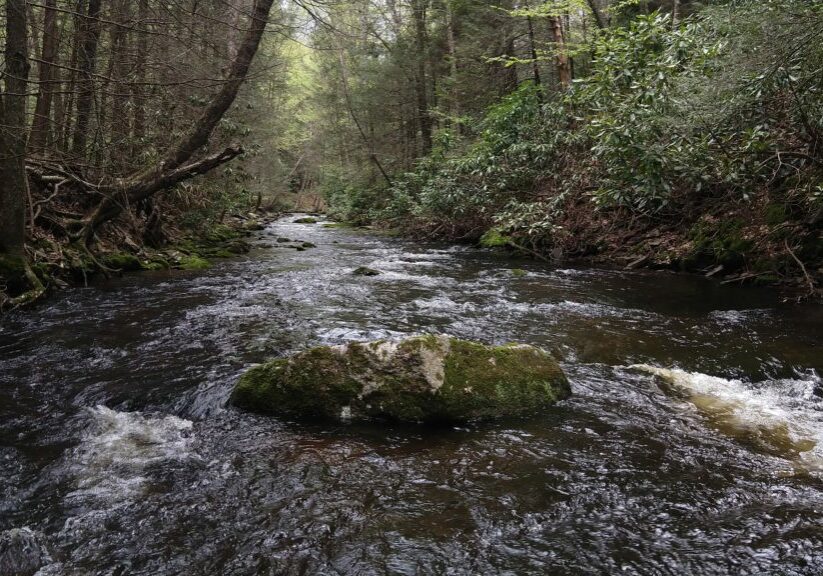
x: 307, y: 220
x: 365, y: 271
x: 418, y: 379
x: 22, y: 552
x: 283, y: 240
x: 308, y: 245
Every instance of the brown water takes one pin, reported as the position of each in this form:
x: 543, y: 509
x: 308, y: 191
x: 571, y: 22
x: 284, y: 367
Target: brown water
x: 116, y: 445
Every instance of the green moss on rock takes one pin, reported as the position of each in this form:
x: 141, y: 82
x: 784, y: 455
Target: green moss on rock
x: 494, y: 238
x: 420, y: 379
x: 122, y: 261
x: 192, y: 262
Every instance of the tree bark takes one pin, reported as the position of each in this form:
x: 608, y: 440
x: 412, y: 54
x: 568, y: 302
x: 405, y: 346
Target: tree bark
x: 39, y: 135
x: 599, y: 19
x: 533, y: 53
x: 118, y: 144
x: 421, y: 92
x: 171, y: 169
x: 89, y: 36
x: 138, y: 89
x: 454, y: 93
x: 564, y: 71
x: 13, y: 181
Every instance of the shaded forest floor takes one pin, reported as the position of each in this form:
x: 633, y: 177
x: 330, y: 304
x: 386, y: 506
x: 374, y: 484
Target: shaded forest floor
x: 119, y: 248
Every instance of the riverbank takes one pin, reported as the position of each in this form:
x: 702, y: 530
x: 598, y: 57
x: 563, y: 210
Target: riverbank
x: 756, y: 242
x: 117, y: 447
x: 57, y: 264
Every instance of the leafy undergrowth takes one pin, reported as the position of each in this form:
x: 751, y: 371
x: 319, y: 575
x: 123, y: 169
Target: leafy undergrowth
x: 698, y: 148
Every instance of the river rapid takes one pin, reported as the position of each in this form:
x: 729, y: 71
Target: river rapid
x: 693, y: 443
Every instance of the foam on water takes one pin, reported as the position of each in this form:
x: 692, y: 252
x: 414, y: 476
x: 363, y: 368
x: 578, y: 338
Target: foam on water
x: 782, y: 416
x: 111, y: 462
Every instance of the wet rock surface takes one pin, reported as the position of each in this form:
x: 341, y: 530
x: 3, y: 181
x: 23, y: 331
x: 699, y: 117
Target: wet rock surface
x: 419, y: 379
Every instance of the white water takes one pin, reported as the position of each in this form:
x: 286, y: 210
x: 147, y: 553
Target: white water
x: 783, y: 414
x: 111, y: 463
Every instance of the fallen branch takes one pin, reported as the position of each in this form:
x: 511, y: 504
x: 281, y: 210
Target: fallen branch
x: 802, y: 267
x: 121, y: 194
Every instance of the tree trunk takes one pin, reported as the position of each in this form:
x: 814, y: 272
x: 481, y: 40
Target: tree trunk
x: 424, y: 119
x: 139, y: 89
x: 89, y: 33
x: 675, y: 13
x: 369, y: 142
x: 13, y: 183
x: 599, y: 19
x: 564, y: 71
x: 39, y: 135
x: 533, y: 52
x: 454, y: 93
x: 118, y: 144
x: 171, y: 169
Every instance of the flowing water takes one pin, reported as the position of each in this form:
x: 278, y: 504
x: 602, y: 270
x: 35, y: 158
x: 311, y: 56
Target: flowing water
x: 693, y: 443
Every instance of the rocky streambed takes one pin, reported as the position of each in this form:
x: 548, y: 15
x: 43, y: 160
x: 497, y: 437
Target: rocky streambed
x: 691, y: 442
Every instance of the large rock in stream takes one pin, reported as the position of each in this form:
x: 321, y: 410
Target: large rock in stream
x: 419, y: 379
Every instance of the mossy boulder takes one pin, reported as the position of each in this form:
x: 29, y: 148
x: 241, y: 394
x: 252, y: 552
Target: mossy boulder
x: 419, y: 379
x: 253, y: 225
x: 306, y: 220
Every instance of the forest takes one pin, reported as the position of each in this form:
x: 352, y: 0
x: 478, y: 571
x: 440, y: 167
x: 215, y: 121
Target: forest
x: 675, y: 135
x: 411, y: 287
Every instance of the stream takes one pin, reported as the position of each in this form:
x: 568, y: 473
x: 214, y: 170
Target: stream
x: 692, y: 444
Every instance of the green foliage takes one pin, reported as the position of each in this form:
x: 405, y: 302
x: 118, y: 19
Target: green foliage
x: 494, y: 238
x: 726, y: 105
x: 629, y: 100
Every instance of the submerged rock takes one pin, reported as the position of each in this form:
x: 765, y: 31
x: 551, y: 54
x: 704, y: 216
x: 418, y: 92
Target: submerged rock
x: 22, y: 552
x: 419, y: 379
x: 365, y: 271
x: 306, y: 220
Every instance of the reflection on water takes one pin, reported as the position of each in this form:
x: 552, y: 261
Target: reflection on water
x: 116, y: 444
